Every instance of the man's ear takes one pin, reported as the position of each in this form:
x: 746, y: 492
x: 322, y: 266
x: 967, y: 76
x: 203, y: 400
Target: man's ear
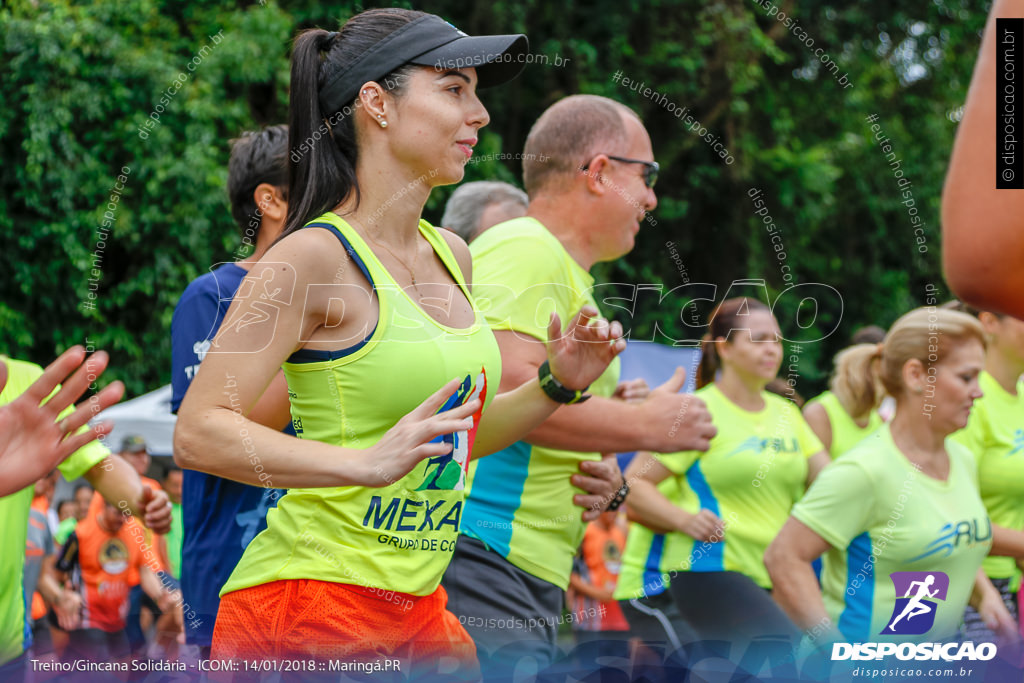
x: 594, y: 175
x: 270, y: 202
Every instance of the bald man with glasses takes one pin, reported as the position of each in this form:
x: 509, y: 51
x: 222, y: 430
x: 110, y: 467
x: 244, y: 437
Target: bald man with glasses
x: 589, y: 171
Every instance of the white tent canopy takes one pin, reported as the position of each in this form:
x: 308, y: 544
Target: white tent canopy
x: 148, y: 415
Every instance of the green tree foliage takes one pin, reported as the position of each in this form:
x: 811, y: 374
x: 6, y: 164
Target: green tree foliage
x: 81, y: 80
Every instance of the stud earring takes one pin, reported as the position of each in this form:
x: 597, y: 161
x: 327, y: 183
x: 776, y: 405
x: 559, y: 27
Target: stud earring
x: 383, y: 124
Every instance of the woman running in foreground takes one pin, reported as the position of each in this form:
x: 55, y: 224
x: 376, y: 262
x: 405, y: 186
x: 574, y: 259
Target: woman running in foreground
x: 369, y: 310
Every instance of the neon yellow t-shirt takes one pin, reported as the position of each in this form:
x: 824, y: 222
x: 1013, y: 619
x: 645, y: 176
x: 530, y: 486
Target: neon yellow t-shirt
x: 400, y: 537
x: 881, y: 515
x: 520, y: 498
x: 650, y: 556
x: 845, y: 432
x: 14, y: 508
x: 753, y: 473
x: 995, y: 435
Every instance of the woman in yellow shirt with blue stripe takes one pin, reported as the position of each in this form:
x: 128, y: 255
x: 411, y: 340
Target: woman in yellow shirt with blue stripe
x: 995, y: 435
x: 706, y: 544
x: 899, y: 515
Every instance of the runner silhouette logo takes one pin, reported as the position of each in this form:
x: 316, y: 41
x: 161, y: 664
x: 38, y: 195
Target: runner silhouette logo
x: 917, y: 599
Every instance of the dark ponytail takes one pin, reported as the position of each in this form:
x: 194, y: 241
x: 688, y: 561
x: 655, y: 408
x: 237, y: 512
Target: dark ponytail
x: 721, y: 324
x: 322, y: 145
x: 708, y: 361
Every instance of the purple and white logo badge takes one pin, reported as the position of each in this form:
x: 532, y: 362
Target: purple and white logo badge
x: 917, y: 596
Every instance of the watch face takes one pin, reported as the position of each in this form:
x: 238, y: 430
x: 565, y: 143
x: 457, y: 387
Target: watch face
x: 554, y: 390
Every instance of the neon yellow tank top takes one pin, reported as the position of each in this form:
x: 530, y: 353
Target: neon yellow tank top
x: 400, y: 537
x: 845, y: 432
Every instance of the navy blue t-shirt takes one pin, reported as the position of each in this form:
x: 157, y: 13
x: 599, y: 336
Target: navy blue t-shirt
x: 219, y: 516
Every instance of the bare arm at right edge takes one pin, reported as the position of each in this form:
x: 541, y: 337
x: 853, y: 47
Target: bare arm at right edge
x: 982, y: 240
x: 264, y: 325
x: 666, y: 421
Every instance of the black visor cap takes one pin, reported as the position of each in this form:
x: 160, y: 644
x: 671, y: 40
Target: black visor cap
x: 433, y: 42
x: 497, y: 59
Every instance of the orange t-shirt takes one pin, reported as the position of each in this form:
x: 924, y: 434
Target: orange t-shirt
x: 150, y: 545
x: 602, y: 553
x: 109, y: 565
x: 39, y: 608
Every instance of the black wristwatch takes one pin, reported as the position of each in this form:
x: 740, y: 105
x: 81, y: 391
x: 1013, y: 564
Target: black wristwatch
x: 620, y: 497
x: 557, y: 391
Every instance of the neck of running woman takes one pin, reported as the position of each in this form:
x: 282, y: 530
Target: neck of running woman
x: 391, y: 201
x: 916, y: 436
x: 743, y: 390
x: 1004, y: 370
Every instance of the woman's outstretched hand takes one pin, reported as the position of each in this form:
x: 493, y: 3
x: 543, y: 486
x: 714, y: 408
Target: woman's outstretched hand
x: 34, y: 439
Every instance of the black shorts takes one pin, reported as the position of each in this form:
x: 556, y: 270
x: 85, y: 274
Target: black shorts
x: 657, y: 622
x: 729, y: 606
x: 92, y: 644
x: 510, y: 614
x: 42, y: 641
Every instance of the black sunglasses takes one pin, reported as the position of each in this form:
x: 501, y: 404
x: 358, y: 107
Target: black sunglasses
x: 651, y: 168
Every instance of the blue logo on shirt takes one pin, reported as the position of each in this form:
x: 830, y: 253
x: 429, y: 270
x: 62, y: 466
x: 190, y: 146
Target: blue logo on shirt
x: 1018, y: 442
x: 952, y: 534
x: 759, y: 445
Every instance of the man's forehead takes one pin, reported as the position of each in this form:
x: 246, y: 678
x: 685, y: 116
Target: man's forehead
x: 636, y: 134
